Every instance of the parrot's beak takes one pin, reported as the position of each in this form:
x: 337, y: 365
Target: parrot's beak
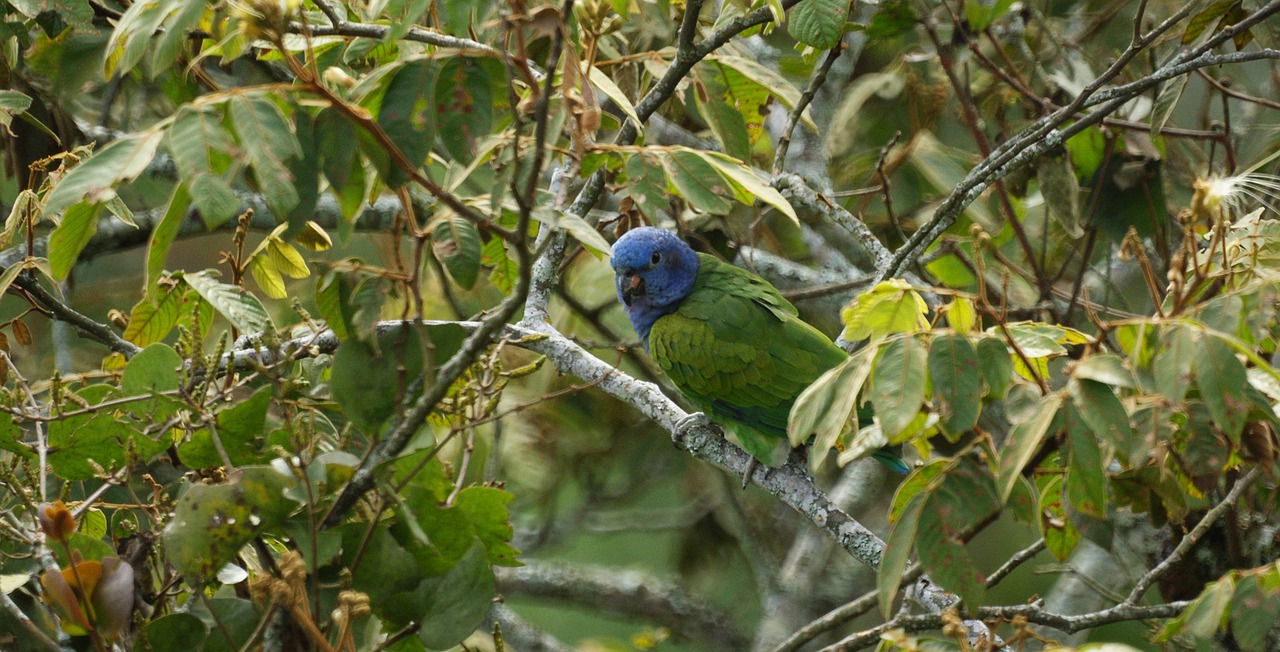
x: 632, y: 287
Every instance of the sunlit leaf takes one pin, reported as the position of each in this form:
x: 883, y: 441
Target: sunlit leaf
x: 153, y: 317
x: 78, y: 225
x: 890, y: 307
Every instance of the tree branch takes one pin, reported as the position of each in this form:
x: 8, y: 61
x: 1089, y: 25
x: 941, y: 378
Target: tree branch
x: 1189, y: 540
x: 1043, y: 135
x: 624, y: 592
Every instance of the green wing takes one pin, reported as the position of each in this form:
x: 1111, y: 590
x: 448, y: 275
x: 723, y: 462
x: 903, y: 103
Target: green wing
x: 736, y: 348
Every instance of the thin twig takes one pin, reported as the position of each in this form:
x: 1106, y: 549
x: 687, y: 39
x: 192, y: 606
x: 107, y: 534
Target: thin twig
x: 797, y: 112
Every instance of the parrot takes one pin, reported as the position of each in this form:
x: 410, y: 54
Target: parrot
x: 726, y: 338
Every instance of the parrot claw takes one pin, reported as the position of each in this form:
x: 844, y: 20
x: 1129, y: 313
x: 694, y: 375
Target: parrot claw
x: 752, y: 463
x: 694, y: 420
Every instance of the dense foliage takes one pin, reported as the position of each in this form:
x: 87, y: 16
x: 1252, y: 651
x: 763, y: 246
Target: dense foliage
x: 364, y: 373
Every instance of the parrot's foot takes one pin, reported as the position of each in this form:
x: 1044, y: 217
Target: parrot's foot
x: 694, y: 420
x: 752, y: 463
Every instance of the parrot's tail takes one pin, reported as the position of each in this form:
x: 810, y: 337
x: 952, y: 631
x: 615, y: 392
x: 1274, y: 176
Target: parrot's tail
x: 892, y: 459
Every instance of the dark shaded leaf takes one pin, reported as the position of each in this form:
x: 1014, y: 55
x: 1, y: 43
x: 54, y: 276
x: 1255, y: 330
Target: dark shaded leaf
x: 955, y: 373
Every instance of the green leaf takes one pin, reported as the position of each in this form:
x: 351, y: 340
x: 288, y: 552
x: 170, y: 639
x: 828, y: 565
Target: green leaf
x: 304, y: 169
x: 77, y: 227
x: 1206, y: 17
x: 577, y: 227
x: 455, y: 604
x: 12, y: 103
x: 996, y: 367
x: 897, y: 550
x: 81, y: 445
x: 95, y: 178
x: 750, y: 72
x: 607, y: 86
x: 818, y: 23
x: 824, y: 407
x: 456, y: 244
x: 1086, y: 478
x: 286, y: 258
x: 1205, y: 615
x: 897, y: 387
x: 242, y: 309
x: 203, y: 150
x: 241, y: 431
x: 212, y: 522
x: 504, y: 270
x: 1106, y: 368
x: 947, y: 561
x: 154, y: 369
x: 390, y: 573
x: 486, y: 510
x: 1024, y: 440
x: 464, y: 103
x: 734, y: 119
x: 234, y: 618
x: 176, y: 631
x: 165, y: 233
x: 1105, y: 415
x: 366, y: 380
x: 1060, y: 536
x: 697, y: 181
x: 961, y: 316
x: 407, y: 110
x: 25, y: 208
x: 134, y: 33
x: 11, y: 437
x: 890, y: 307
x: 647, y: 184
x: 1222, y: 380
x: 980, y: 14
x: 954, y: 371
x: 747, y: 187
x: 1173, y: 362
x: 1255, y: 612
x: 1061, y: 192
x: 267, y: 276
x: 166, y: 44
x: 268, y: 142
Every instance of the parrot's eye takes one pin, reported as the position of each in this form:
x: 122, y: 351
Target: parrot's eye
x: 655, y: 258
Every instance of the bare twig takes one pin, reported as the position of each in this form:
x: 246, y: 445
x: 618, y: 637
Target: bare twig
x: 797, y: 112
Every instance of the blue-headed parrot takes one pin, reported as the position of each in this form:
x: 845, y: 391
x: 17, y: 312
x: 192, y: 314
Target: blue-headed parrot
x: 725, y: 337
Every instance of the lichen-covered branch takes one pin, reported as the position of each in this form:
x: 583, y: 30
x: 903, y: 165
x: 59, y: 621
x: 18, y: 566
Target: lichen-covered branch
x: 1044, y: 135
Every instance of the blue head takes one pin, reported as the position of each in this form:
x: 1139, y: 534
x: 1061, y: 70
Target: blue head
x: 654, y: 271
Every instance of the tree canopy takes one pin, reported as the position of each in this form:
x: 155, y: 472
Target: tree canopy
x: 308, y: 339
